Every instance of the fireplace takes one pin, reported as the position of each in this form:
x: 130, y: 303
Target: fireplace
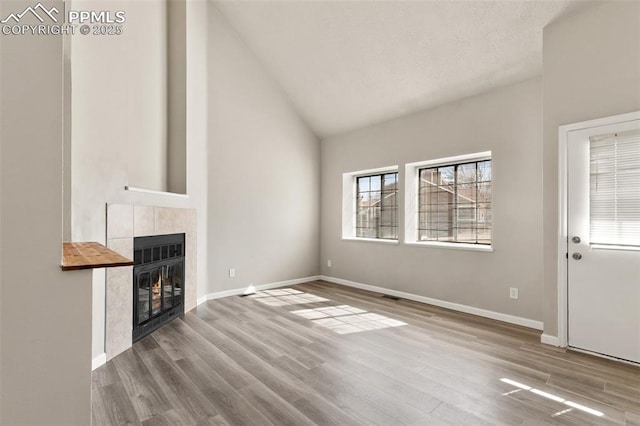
x: 158, y: 282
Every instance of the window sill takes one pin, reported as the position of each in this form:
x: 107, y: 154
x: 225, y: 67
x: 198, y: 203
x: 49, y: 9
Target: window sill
x: 454, y: 246
x: 371, y: 240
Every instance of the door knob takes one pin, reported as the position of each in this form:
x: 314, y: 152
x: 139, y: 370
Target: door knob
x: 577, y: 256
x: 576, y: 239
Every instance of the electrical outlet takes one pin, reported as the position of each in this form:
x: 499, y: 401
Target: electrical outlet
x: 513, y: 292
x: 232, y: 272
x: 329, y: 263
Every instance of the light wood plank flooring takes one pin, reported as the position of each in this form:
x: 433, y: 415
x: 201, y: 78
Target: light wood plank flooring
x: 323, y: 354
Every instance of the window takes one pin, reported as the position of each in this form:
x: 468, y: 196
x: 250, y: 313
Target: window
x: 377, y: 206
x: 370, y: 205
x: 615, y: 189
x: 448, y: 202
x: 454, y: 203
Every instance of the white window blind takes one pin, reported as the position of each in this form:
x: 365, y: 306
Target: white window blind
x: 615, y: 189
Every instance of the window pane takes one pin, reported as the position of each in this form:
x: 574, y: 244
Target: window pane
x: 389, y: 200
x: 484, y: 171
x: 375, y: 197
x: 377, y: 206
x: 466, y: 193
x: 429, y: 177
x: 614, y: 195
x: 454, y: 203
x: 484, y: 192
x: 446, y: 175
x: 363, y: 184
x: 466, y: 173
x: 390, y: 180
x: 375, y: 183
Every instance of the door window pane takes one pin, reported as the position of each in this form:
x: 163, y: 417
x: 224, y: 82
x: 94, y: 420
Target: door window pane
x: 614, y: 195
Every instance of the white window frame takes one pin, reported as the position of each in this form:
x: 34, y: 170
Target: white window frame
x: 349, y: 199
x: 411, y: 173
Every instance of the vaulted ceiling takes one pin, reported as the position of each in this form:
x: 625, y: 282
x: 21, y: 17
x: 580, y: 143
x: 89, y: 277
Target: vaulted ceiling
x: 349, y: 64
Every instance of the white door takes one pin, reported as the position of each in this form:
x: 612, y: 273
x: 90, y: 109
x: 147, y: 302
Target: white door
x: 603, y: 226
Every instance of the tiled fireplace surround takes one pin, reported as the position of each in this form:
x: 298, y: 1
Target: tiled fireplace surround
x: 124, y: 222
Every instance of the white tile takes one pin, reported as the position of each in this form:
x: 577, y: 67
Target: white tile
x: 122, y: 246
x: 119, y: 310
x: 170, y: 220
x: 143, y: 221
x: 119, y: 221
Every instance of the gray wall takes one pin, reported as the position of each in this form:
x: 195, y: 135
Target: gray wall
x: 591, y: 69
x: 176, y: 96
x: 263, y: 172
x: 505, y: 121
x: 119, y: 127
x: 45, y: 323
x: 119, y: 101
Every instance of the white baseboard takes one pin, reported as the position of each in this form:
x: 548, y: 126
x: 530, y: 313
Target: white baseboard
x: 548, y: 339
x: 512, y: 319
x: 98, y: 361
x: 253, y: 288
x: 201, y: 300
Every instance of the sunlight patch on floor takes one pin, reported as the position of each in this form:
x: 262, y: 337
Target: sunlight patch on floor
x: 342, y: 319
x: 552, y: 397
x: 345, y: 319
x: 286, y: 297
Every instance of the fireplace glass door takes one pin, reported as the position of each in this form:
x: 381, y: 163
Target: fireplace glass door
x: 158, y: 282
x: 158, y: 287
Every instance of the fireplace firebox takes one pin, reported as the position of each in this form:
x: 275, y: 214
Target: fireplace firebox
x: 158, y: 282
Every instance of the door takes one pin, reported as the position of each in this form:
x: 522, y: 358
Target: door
x: 603, y: 226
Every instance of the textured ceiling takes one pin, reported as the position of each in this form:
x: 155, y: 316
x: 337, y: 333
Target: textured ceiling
x: 349, y: 64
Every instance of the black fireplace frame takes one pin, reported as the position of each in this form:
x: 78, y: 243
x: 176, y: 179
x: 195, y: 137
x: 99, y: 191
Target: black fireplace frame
x: 150, y: 254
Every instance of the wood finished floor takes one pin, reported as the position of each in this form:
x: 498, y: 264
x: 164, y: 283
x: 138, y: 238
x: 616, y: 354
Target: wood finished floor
x: 242, y: 360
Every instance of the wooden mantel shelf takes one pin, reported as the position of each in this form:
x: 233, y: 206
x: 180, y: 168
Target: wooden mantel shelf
x: 90, y: 256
